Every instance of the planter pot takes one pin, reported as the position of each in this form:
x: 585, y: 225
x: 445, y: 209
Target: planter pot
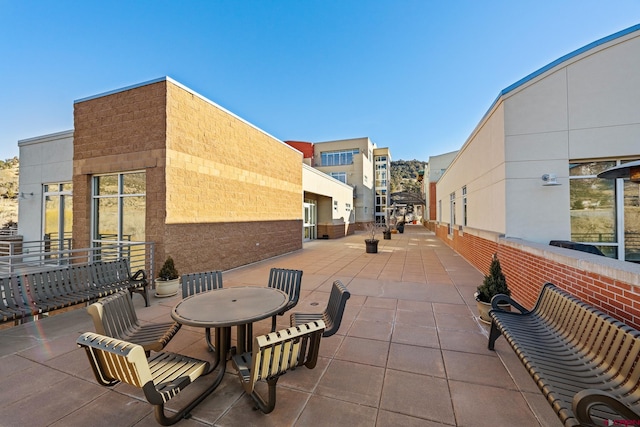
x: 387, y: 235
x: 484, y: 307
x: 372, y: 246
x: 167, y: 288
x: 400, y: 228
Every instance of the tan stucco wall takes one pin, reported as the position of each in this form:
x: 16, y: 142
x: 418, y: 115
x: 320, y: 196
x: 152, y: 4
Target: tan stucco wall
x: 359, y: 174
x: 480, y: 166
x: 221, y: 169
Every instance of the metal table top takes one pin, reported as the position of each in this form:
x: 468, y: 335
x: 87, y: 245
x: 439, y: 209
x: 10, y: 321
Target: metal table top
x: 226, y: 307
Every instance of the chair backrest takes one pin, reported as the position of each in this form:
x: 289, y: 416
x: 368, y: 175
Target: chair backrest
x: 332, y: 315
x: 277, y: 352
x: 114, y: 315
x: 194, y: 283
x: 288, y: 281
x: 114, y: 360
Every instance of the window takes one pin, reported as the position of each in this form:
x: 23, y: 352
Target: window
x: 119, y: 208
x: 464, y: 205
x: 605, y: 212
x: 340, y: 176
x: 452, y: 207
x: 58, y: 214
x: 337, y: 158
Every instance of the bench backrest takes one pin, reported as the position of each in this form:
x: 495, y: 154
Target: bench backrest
x: 105, y: 273
x: 288, y: 281
x: 608, y: 341
x: 194, y: 283
x: 13, y: 300
x: 114, y: 315
x: 275, y: 353
x: 81, y: 278
x: 49, y: 284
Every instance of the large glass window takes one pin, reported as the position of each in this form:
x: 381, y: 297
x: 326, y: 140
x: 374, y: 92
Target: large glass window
x: 605, y: 212
x: 593, y: 207
x: 58, y: 215
x: 631, y: 221
x: 340, y: 176
x: 119, y: 208
x: 337, y: 158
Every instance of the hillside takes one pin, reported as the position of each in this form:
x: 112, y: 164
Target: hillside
x: 404, y: 174
x: 8, y: 191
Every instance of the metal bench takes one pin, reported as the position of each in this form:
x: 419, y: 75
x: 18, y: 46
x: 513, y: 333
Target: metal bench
x: 115, y: 316
x: 113, y: 276
x: 194, y: 283
x: 332, y: 314
x: 35, y: 293
x: 585, y: 362
x: 289, y: 282
x: 160, y: 377
x: 273, y: 355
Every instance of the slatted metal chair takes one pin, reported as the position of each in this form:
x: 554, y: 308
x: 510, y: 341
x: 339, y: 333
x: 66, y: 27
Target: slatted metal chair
x: 332, y: 314
x: 194, y: 283
x: 115, y: 316
x: 273, y: 355
x: 160, y: 377
x: 288, y: 281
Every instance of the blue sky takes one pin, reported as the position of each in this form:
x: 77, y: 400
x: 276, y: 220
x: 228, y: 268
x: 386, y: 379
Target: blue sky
x: 414, y: 76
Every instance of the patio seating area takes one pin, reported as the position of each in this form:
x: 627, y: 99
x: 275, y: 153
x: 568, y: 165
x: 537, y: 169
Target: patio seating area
x: 409, y: 351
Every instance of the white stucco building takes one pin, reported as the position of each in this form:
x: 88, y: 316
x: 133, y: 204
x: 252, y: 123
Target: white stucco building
x: 561, y: 125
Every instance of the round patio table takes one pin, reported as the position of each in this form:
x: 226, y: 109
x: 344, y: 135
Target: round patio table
x: 223, y: 308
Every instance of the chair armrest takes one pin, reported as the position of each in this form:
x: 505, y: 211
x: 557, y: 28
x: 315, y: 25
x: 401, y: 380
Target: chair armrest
x: 584, y: 400
x: 501, y: 299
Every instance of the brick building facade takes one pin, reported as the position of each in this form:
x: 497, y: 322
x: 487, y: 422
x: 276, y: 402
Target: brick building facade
x: 219, y: 192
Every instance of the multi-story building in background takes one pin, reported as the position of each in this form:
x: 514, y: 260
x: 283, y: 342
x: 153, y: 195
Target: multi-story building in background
x: 357, y: 162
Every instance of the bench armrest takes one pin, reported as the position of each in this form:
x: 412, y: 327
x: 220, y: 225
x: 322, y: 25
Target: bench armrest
x: 139, y: 275
x: 584, y: 400
x: 501, y: 299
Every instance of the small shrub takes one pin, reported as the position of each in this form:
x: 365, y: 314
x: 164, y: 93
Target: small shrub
x: 168, y: 270
x: 494, y: 283
x: 371, y: 231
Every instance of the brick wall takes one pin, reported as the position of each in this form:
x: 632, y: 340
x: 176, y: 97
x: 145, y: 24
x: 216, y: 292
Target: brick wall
x: 610, y: 285
x: 219, y: 193
x: 334, y: 231
x: 120, y: 132
x: 221, y: 246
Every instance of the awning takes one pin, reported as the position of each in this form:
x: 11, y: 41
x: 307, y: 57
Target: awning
x: 629, y: 170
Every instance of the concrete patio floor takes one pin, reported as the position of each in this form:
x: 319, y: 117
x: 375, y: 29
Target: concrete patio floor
x: 410, y: 352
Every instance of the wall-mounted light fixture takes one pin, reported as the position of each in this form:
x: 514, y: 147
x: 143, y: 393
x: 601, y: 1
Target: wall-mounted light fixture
x: 24, y: 195
x: 549, y: 179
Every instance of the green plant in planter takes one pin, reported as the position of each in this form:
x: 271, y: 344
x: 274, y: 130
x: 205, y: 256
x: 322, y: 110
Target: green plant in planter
x: 168, y: 270
x: 494, y: 283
